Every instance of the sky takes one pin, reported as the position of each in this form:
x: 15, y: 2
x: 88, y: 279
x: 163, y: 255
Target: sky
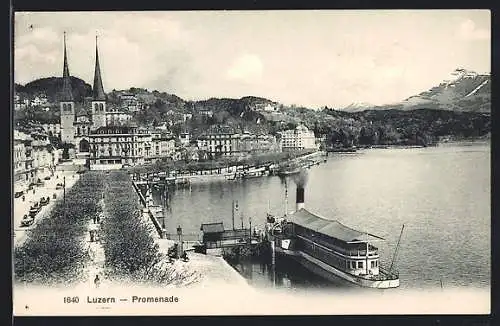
x: 312, y: 58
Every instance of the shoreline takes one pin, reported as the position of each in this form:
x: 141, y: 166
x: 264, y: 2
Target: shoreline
x: 205, y: 270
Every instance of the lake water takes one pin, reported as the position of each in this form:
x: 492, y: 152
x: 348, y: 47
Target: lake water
x: 441, y: 194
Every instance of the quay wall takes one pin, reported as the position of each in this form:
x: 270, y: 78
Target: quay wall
x: 147, y: 210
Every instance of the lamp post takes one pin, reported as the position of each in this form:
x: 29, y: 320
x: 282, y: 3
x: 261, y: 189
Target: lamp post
x: 179, y: 233
x: 64, y: 190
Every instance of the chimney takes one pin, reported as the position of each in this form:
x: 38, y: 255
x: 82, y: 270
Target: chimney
x: 299, y: 198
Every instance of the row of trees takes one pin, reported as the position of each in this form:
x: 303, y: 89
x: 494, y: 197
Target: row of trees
x: 130, y: 249
x: 418, y: 127
x: 217, y: 164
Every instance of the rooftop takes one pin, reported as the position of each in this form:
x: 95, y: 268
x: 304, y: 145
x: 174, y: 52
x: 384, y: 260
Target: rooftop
x: 330, y: 228
x: 212, y: 227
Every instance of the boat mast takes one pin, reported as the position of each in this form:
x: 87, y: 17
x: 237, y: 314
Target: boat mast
x: 233, y: 213
x: 397, y: 248
x: 286, y: 197
x: 366, y: 234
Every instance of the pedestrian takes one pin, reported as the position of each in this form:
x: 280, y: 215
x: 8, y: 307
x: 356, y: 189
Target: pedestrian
x: 24, y: 198
x: 97, y: 281
x: 92, y: 235
x: 95, y: 219
x: 98, y: 218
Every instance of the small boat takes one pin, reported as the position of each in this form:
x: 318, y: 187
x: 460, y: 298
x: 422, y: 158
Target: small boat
x: 250, y: 175
x: 231, y: 177
x: 288, y: 172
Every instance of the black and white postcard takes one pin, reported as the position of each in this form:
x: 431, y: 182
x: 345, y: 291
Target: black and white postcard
x: 251, y: 162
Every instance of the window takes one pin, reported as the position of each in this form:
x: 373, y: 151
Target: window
x: 372, y: 263
x: 360, y: 264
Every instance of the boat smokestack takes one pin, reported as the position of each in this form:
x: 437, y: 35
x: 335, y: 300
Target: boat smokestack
x: 299, y: 198
x: 300, y: 181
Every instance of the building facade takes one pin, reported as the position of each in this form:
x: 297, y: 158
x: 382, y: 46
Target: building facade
x: 218, y: 141
x: 113, y: 146
x: 296, y: 139
x: 33, y: 159
x: 117, y: 117
x: 24, y: 173
x: 52, y: 129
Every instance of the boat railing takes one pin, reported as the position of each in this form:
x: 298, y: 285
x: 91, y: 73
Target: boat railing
x: 344, y: 251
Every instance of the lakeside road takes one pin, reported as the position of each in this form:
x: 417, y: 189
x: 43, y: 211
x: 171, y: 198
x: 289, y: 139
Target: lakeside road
x: 47, y: 190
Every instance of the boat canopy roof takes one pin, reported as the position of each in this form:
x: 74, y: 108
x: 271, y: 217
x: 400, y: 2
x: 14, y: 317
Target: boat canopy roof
x: 212, y: 227
x: 331, y: 228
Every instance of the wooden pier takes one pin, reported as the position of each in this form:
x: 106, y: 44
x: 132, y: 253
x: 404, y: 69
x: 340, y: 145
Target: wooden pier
x: 215, y: 236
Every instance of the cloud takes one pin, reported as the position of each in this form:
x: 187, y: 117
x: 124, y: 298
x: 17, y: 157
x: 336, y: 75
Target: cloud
x: 303, y: 57
x: 469, y: 31
x: 247, y: 68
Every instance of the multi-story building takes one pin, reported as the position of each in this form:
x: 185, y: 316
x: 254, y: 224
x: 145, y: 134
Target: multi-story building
x: 39, y: 100
x: 113, y: 146
x: 22, y: 161
x: 250, y: 143
x: 117, y: 117
x: 184, y: 138
x: 299, y: 138
x: 33, y: 159
x: 163, y: 145
x: 43, y: 156
x: 206, y: 113
x: 130, y: 102
x: 218, y: 141
x: 52, y: 129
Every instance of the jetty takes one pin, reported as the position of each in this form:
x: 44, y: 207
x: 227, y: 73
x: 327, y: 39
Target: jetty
x: 214, y: 236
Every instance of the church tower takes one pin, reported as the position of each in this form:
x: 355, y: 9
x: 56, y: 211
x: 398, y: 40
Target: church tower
x: 98, y: 95
x: 67, y: 103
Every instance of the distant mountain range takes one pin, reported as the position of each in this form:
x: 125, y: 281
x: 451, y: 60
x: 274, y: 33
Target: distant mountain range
x: 465, y: 91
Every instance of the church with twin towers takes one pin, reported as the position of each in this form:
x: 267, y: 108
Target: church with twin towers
x: 77, y: 121
x: 102, y: 134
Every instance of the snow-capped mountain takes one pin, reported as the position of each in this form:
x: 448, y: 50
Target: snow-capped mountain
x: 358, y: 106
x: 463, y: 90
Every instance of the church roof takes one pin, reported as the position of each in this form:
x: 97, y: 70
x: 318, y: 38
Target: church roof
x: 67, y: 94
x: 98, y: 89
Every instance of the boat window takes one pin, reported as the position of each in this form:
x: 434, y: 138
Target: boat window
x: 360, y: 264
x: 353, y: 264
x: 372, y: 264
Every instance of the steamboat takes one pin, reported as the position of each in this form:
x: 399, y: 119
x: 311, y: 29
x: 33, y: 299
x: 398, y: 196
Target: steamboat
x: 328, y: 248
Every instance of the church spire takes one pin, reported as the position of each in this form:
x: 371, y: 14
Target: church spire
x: 67, y: 94
x: 98, y: 89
